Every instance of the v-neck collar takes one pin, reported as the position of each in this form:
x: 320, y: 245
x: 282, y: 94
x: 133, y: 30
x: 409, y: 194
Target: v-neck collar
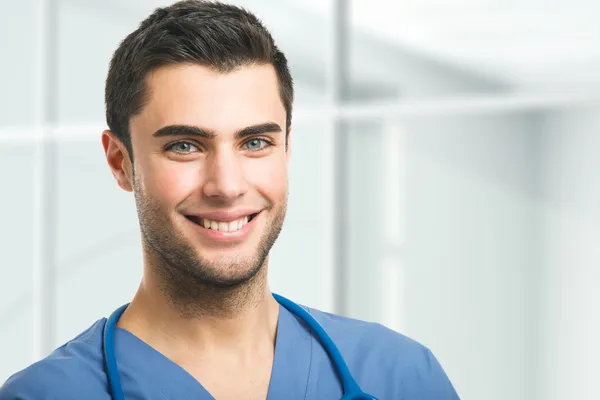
x: 151, y: 370
x: 292, y: 362
x: 141, y: 363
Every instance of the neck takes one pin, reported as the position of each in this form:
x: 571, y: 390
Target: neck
x: 241, y: 319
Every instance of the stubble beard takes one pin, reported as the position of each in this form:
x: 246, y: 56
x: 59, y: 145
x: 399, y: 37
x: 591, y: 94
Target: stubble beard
x: 194, y: 285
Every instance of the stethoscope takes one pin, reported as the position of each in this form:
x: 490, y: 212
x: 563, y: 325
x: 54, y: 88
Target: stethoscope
x: 351, y: 390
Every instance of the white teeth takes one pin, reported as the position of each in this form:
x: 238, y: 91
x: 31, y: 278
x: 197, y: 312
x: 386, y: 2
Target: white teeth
x: 224, y: 226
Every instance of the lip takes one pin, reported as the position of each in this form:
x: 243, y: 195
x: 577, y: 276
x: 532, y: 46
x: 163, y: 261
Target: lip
x: 226, y: 237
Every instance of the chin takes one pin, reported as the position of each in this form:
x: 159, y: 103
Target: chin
x: 231, y: 278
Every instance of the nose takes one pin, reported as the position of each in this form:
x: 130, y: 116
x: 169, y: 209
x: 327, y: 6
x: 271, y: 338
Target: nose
x: 225, y: 176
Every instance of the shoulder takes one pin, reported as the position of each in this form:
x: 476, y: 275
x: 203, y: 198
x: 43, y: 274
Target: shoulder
x: 365, y: 338
x: 375, y: 352
x: 72, y: 371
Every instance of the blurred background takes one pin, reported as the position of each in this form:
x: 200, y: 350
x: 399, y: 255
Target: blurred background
x: 444, y: 179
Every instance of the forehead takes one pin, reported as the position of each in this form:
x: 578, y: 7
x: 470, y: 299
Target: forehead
x: 197, y: 95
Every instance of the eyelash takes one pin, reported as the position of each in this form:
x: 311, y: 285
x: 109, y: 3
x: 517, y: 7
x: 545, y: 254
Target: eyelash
x: 268, y: 143
x: 172, y: 145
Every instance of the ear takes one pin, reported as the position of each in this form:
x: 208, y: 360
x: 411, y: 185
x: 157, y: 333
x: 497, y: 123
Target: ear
x: 288, y: 146
x: 118, y: 160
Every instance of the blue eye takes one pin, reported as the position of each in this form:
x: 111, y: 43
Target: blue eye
x: 256, y: 144
x: 183, y: 147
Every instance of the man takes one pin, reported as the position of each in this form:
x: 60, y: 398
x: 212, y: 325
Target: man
x: 199, y: 104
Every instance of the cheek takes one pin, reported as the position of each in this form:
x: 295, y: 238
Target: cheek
x: 170, y: 181
x: 268, y: 175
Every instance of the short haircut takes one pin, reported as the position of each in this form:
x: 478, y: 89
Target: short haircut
x: 220, y: 36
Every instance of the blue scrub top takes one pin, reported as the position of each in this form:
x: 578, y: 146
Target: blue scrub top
x: 385, y: 364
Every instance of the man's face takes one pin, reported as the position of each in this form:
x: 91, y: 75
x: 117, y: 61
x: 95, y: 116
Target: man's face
x: 210, y: 170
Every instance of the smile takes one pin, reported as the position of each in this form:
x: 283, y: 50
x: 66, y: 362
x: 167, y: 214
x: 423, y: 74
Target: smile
x: 223, y: 226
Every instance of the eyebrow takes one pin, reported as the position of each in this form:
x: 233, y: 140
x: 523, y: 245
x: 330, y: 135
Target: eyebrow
x: 191, y: 130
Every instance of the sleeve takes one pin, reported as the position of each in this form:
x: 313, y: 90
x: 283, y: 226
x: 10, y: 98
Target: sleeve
x: 39, y: 381
x: 19, y: 387
x: 437, y: 383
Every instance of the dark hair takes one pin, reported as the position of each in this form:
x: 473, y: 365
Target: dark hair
x: 221, y: 36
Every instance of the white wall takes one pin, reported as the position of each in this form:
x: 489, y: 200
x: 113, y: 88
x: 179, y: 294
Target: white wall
x: 468, y: 262
x: 16, y: 230
x: 17, y: 67
x: 471, y: 248
x: 570, y: 216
